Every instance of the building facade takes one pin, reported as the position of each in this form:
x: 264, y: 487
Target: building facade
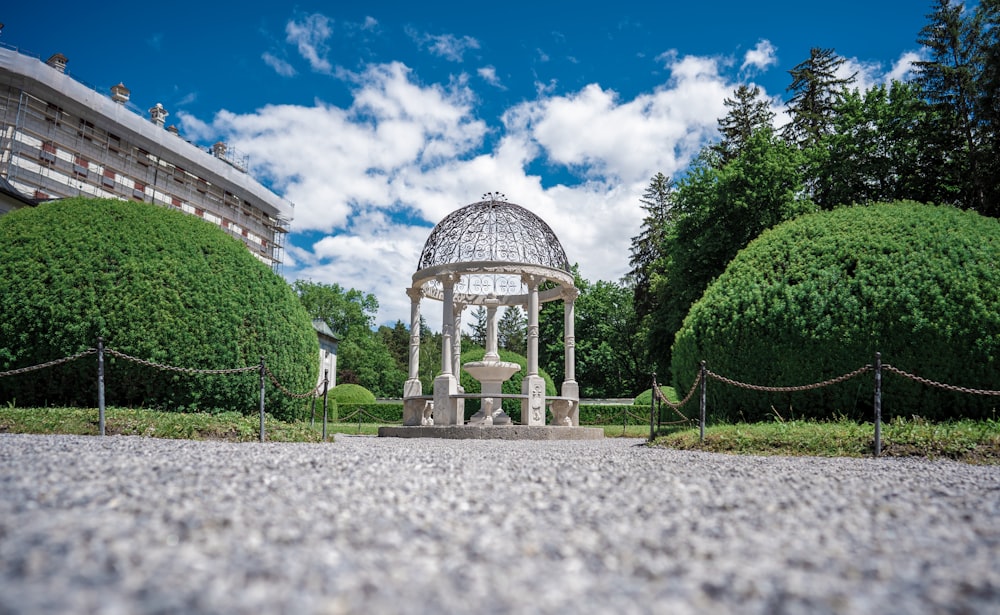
x: 59, y: 138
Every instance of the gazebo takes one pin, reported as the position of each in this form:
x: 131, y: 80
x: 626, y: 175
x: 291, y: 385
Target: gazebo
x: 493, y: 254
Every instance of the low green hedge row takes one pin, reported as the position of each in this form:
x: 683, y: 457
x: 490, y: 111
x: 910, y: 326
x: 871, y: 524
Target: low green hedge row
x: 392, y: 412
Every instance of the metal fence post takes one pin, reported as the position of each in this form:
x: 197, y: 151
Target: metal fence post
x: 100, y: 384
x: 652, y: 408
x: 704, y: 387
x: 262, y: 369
x: 878, y: 404
x: 326, y: 383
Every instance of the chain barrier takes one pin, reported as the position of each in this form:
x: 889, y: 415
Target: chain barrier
x: 948, y: 387
x: 32, y: 368
x: 677, y: 407
x: 792, y: 389
x: 274, y: 380
x: 183, y: 370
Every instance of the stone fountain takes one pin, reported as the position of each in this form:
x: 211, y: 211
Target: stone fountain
x: 491, y: 373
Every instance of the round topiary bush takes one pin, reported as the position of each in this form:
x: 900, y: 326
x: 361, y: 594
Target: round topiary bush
x: 645, y: 398
x: 816, y: 297
x: 158, y: 285
x: 512, y: 386
x: 352, y: 394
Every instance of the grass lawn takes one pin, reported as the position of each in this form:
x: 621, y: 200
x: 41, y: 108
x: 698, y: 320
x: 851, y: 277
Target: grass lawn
x: 968, y: 441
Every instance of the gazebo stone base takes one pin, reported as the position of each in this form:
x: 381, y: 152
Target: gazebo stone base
x: 510, y: 432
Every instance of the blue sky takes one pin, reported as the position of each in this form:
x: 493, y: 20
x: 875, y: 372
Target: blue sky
x: 377, y: 119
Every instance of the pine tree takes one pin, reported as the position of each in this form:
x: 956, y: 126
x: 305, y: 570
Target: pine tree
x: 477, y: 327
x: 647, y: 246
x: 949, y: 82
x: 747, y: 113
x: 816, y: 89
x: 511, y: 330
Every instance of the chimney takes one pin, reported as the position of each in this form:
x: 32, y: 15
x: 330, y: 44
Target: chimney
x: 120, y: 93
x: 173, y: 129
x: 58, y: 62
x: 219, y: 149
x: 158, y: 115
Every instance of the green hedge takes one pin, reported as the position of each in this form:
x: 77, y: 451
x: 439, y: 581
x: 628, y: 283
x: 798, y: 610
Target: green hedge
x: 156, y: 284
x: 816, y: 297
x: 347, y: 394
x: 376, y: 412
x: 646, y: 397
x: 590, y: 414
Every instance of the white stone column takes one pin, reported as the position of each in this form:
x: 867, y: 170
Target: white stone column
x: 447, y: 323
x: 491, y: 329
x: 446, y: 409
x: 412, y: 406
x: 569, y: 339
x: 456, y: 346
x: 533, y: 385
x: 570, y: 388
x: 532, y: 282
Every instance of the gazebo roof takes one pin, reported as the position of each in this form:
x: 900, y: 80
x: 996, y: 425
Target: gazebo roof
x: 493, y: 230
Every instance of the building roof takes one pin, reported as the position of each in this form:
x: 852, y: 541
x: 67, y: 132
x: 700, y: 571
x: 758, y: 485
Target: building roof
x: 323, y: 330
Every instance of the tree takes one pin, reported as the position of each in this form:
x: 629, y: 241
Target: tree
x: 363, y: 357
x: 511, y: 330
x: 647, y: 246
x: 815, y: 90
x: 478, y: 326
x: 719, y: 211
x: 988, y: 108
x: 747, y: 114
x: 877, y: 151
x: 950, y: 80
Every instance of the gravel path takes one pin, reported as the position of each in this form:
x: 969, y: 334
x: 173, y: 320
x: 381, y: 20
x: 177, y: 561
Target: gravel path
x: 369, y: 525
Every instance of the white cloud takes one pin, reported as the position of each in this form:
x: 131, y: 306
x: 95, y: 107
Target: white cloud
x: 447, y: 46
x: 370, y: 23
x: 763, y: 55
x: 310, y: 36
x: 375, y: 176
x: 280, y: 66
x: 489, y: 75
x: 904, y: 67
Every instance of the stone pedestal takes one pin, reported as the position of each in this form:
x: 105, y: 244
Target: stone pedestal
x: 491, y: 375
x: 413, y: 408
x: 446, y: 410
x: 533, y: 408
x: 571, y: 389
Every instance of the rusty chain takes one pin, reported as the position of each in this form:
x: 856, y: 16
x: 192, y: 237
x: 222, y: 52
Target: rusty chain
x: 940, y: 385
x: 806, y: 387
x: 677, y: 407
x: 274, y: 380
x: 183, y: 370
x: 25, y: 370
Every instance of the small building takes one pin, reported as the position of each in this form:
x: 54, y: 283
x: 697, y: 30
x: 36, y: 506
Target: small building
x: 327, y: 352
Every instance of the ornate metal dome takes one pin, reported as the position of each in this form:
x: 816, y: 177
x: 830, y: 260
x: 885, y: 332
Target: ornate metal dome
x: 493, y: 230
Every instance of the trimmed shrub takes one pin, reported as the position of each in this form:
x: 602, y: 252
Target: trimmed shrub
x: 513, y: 386
x: 376, y: 412
x: 347, y: 394
x: 816, y: 297
x: 158, y: 285
x: 646, y: 397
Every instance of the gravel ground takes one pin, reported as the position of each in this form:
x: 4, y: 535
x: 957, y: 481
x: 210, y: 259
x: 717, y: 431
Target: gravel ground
x: 383, y: 525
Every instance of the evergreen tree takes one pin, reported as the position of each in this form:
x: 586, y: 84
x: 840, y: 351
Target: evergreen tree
x: 988, y: 108
x: 815, y: 89
x: 647, y: 246
x: 949, y: 80
x: 512, y: 330
x: 747, y: 113
x: 477, y: 327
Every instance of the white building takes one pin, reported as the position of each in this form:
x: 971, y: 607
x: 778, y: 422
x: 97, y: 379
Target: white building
x: 60, y: 138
